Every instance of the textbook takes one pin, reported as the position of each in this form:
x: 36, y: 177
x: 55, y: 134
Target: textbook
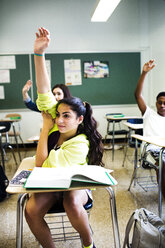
x: 64, y: 178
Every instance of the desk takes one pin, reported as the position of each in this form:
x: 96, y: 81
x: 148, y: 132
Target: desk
x: 34, y: 139
x: 158, y: 141
x: 111, y: 119
x: 12, y: 121
x: 132, y: 127
x: 28, y: 164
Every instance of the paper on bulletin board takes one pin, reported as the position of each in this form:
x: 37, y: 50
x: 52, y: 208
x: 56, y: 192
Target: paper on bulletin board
x: 72, y: 69
x: 48, y: 67
x: 7, y: 62
x: 4, y: 76
x: 2, y: 93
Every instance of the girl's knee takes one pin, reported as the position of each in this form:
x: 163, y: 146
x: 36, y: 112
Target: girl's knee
x: 29, y: 212
x: 72, y: 207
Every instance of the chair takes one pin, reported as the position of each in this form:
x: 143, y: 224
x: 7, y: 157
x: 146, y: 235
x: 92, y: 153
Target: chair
x: 56, y: 218
x: 146, y: 182
x: 112, y: 132
x: 16, y: 133
x: 6, y: 144
x: 131, y: 141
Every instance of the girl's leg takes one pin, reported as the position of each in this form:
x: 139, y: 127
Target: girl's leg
x: 73, y: 204
x: 36, y: 208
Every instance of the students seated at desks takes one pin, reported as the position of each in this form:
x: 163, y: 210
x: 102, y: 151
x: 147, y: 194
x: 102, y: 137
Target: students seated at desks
x: 154, y: 121
x: 77, y: 142
x: 59, y: 91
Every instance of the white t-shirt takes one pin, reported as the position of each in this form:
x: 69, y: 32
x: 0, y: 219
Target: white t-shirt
x: 153, y: 123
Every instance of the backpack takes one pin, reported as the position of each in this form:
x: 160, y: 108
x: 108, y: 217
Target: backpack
x: 148, y: 231
x: 3, y: 184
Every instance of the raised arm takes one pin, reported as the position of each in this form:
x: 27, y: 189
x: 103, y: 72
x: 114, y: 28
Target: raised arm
x: 25, y: 90
x: 40, y: 45
x: 139, y: 88
x: 42, y: 147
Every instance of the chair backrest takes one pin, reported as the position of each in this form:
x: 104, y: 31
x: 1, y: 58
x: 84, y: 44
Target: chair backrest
x: 137, y: 121
x: 7, y: 126
x: 138, y: 131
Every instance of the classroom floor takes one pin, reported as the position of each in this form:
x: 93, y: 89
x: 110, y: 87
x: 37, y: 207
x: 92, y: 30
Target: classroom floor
x: 100, y: 218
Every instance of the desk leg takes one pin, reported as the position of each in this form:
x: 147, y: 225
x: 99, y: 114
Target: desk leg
x: 113, y: 141
x: 114, y: 217
x: 2, y: 153
x: 160, y: 181
x: 19, y: 226
x: 16, y: 141
x: 135, y: 166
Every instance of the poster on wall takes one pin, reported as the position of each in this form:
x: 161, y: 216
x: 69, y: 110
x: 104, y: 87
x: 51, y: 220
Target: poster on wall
x: 96, y: 69
x: 2, y: 93
x: 7, y: 62
x: 4, y: 76
x: 72, y: 70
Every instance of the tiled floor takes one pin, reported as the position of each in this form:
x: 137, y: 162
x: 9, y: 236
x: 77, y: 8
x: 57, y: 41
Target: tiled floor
x: 100, y: 218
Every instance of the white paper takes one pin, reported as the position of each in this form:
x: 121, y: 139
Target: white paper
x: 7, y: 62
x: 4, y: 76
x: 72, y: 68
x: 2, y: 94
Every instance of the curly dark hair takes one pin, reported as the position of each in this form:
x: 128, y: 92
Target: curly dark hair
x: 87, y: 127
x: 160, y: 94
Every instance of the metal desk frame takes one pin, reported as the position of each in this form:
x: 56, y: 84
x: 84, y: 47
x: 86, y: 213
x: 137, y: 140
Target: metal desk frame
x: 149, y: 140
x: 20, y: 209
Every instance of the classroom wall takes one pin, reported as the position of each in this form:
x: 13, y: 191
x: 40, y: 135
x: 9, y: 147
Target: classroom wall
x: 136, y: 25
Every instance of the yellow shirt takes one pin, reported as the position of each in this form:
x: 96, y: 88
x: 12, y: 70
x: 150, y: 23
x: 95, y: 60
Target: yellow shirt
x: 72, y: 152
x: 47, y: 102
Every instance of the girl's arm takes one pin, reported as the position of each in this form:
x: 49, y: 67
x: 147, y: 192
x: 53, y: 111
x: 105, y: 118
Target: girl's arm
x: 42, y: 147
x: 40, y: 45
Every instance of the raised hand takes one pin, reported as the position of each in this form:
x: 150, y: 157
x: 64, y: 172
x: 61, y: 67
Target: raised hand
x: 149, y: 66
x: 27, y: 86
x: 42, y: 41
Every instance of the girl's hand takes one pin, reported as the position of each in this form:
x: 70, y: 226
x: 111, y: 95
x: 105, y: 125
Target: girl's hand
x: 42, y: 40
x: 27, y: 86
x: 48, y: 121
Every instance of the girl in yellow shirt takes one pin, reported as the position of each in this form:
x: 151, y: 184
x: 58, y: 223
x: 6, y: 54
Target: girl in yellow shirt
x: 77, y: 142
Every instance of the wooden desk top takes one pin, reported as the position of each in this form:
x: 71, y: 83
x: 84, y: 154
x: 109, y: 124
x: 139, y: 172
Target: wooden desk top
x: 133, y: 126
x: 111, y: 117
x: 33, y: 138
x: 9, y: 120
x: 154, y: 140
x: 29, y: 164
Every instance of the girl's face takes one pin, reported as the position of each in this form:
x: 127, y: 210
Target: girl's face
x: 58, y: 94
x: 67, y: 120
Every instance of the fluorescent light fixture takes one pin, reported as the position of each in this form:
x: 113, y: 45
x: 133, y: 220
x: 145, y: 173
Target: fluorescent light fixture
x: 104, y: 9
